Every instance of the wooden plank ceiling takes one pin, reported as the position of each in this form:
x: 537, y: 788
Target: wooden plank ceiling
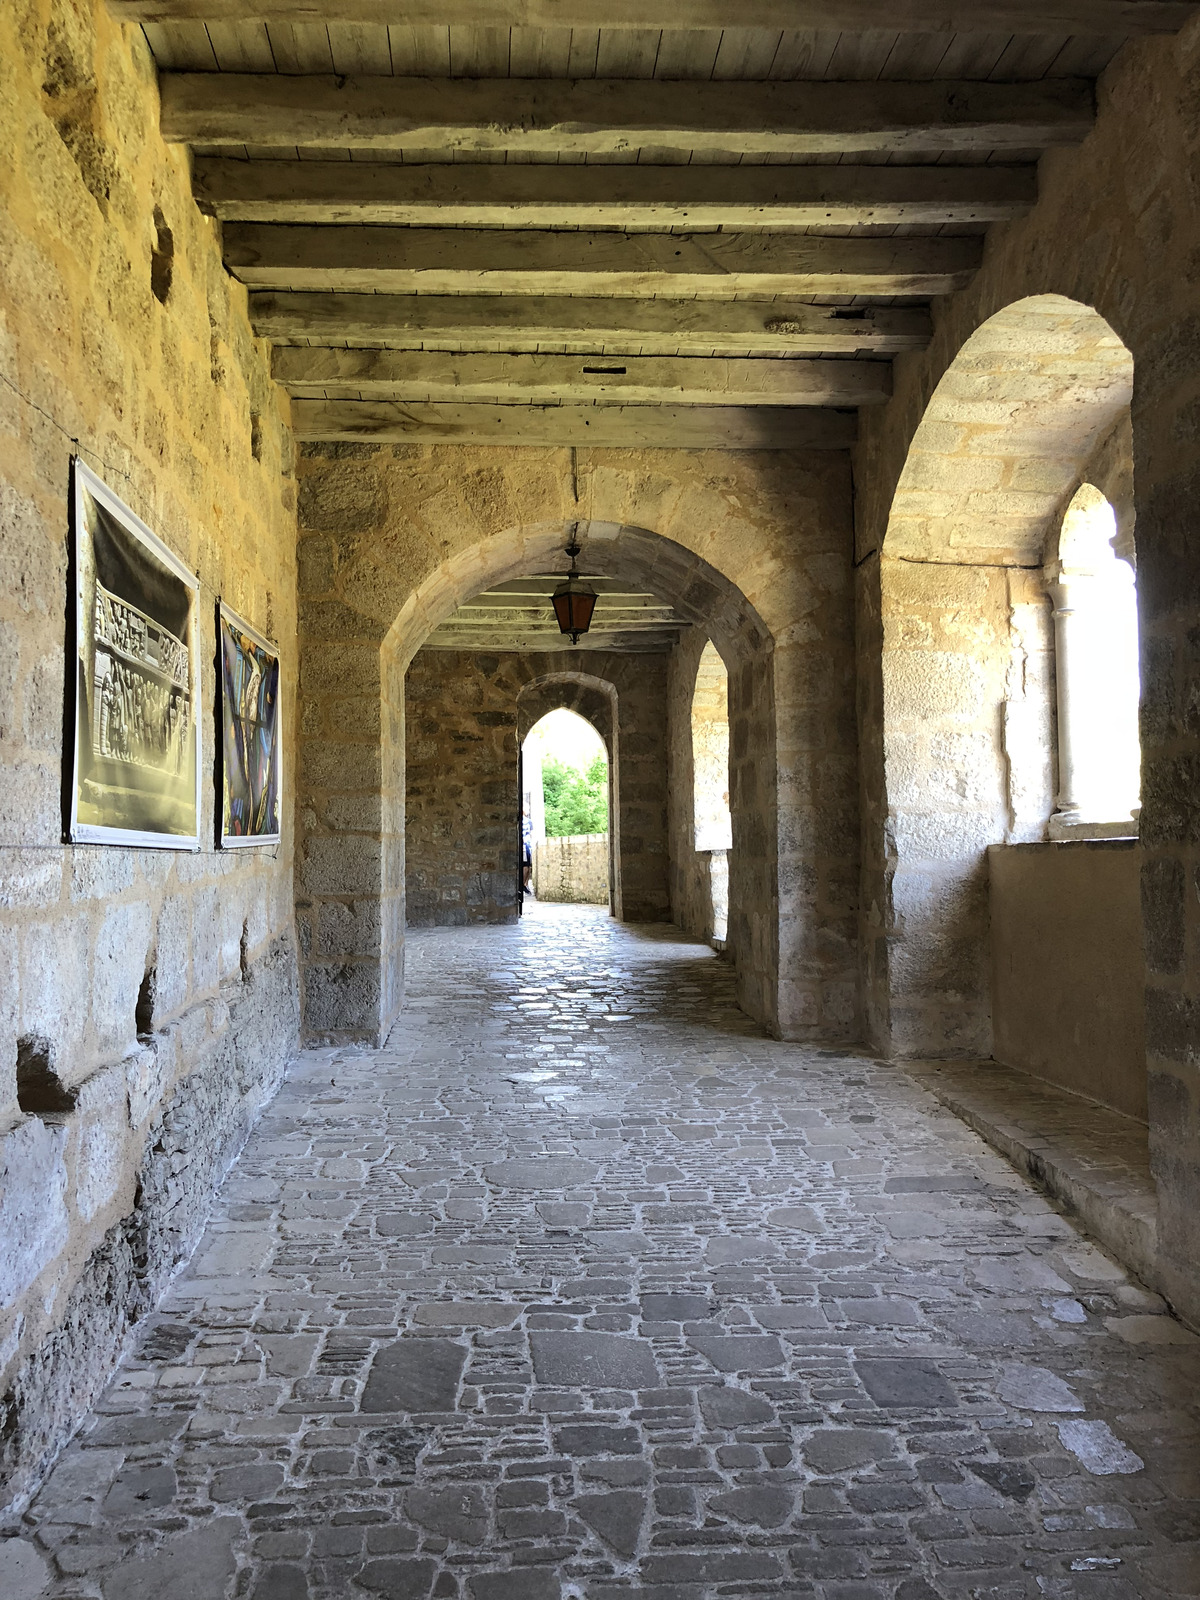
x: 517, y: 615
x: 659, y: 230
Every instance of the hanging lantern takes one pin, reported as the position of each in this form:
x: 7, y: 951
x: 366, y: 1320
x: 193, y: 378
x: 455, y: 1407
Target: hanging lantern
x: 573, y: 601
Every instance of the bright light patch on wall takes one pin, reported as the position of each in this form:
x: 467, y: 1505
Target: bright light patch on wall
x: 1095, y: 597
x: 710, y: 779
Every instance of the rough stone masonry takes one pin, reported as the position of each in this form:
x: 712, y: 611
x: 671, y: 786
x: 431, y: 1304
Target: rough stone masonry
x: 149, y: 1000
x: 586, y: 1288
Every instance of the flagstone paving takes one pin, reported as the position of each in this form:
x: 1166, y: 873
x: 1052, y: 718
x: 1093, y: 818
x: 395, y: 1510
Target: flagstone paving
x: 584, y: 1290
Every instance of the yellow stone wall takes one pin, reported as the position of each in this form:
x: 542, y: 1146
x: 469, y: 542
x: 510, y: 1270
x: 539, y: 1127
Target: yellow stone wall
x: 168, y: 398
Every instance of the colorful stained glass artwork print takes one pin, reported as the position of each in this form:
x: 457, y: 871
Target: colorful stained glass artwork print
x: 250, y: 734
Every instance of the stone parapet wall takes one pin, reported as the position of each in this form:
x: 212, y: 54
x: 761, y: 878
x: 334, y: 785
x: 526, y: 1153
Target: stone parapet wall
x: 1068, y: 975
x: 572, y: 869
x: 123, y: 340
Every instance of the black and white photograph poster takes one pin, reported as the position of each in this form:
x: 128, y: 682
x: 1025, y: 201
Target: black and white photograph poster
x: 137, y: 755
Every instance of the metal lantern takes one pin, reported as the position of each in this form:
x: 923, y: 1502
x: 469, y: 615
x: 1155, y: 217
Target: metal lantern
x: 573, y: 601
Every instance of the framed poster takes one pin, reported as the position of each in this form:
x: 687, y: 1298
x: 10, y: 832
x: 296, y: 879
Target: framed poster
x: 136, y: 768
x: 248, y: 669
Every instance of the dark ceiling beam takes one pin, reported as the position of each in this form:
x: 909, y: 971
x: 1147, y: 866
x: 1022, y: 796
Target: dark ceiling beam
x: 610, y: 196
x: 601, y: 116
x: 615, y: 427
x: 627, y: 325
x: 502, y: 261
x: 853, y: 16
x: 424, y: 375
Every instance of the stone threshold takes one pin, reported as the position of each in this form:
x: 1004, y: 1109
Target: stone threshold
x: 1093, y: 1160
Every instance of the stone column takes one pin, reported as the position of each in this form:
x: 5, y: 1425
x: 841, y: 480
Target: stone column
x: 1060, y: 588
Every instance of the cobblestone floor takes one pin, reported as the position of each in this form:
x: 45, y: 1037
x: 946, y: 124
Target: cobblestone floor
x: 583, y: 1290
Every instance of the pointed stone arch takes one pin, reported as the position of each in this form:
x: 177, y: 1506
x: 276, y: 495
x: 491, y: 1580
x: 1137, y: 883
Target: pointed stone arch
x: 751, y: 548
x: 397, y: 537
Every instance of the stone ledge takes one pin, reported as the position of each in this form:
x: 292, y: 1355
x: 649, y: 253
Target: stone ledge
x: 1095, y: 1161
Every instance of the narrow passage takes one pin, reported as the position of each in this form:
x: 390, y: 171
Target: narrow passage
x: 582, y: 1288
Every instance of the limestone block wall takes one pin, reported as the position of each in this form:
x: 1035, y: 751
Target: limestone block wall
x: 946, y: 656
x: 465, y: 714
x: 755, y: 548
x: 572, y: 869
x: 1068, y: 977
x: 1115, y: 229
x: 159, y: 986
x: 461, y: 801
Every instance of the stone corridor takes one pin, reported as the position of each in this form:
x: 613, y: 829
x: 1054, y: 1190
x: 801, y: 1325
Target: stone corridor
x: 584, y: 1288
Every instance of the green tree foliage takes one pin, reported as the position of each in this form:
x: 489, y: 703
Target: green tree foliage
x: 576, y: 802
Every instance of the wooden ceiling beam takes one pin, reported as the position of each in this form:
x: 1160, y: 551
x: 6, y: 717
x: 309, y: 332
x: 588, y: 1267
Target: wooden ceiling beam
x: 544, y: 617
x: 552, y: 117
x: 614, y: 196
x: 543, y: 584
x: 547, y: 379
x: 499, y: 261
x: 611, y: 427
x: 855, y: 16
x: 483, y: 322
x: 661, y: 643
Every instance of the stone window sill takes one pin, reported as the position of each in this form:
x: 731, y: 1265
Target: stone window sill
x: 1060, y: 831
x: 1121, y: 842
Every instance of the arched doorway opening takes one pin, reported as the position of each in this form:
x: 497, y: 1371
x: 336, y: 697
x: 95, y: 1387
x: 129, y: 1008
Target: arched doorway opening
x: 565, y: 777
x: 594, y: 700
x: 1034, y: 408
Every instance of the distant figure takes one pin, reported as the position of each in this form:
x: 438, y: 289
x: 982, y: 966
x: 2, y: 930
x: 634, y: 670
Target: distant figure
x: 526, y: 852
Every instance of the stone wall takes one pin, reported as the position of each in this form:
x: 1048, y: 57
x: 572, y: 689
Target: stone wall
x: 572, y: 869
x: 1068, y: 978
x: 461, y: 801
x: 946, y: 666
x: 120, y: 337
x: 754, y: 548
x: 1114, y: 231
x: 183, y: 1143
x: 466, y: 714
